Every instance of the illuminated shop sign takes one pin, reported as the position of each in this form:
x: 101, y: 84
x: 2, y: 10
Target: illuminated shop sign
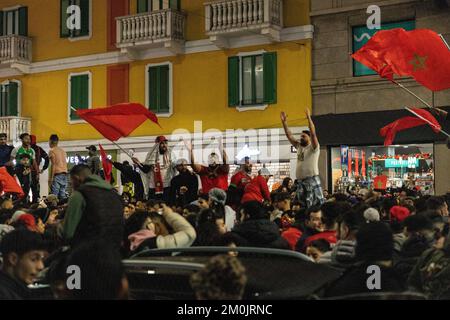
x: 402, y: 163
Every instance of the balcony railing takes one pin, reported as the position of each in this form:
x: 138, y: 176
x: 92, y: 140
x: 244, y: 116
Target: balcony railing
x: 15, y: 49
x: 236, y: 16
x: 145, y: 29
x: 14, y: 127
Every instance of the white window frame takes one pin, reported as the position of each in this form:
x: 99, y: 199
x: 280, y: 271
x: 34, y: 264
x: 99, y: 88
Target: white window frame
x: 69, y: 97
x: 89, y: 36
x: 147, y: 93
x: 19, y: 95
x: 255, y: 107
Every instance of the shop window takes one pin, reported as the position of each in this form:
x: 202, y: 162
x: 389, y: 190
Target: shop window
x: 408, y: 167
x: 14, y: 22
x: 362, y: 34
x: 156, y: 5
x: 252, y: 80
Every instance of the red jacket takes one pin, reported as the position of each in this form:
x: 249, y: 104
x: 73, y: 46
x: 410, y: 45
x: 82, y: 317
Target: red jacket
x: 211, y: 180
x: 292, y: 235
x: 256, y: 190
x: 329, y: 236
x: 240, y: 180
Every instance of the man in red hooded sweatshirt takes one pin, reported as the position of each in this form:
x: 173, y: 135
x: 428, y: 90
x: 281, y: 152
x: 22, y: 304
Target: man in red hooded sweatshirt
x: 40, y: 155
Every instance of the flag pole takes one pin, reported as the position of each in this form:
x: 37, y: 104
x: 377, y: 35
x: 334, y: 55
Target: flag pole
x: 413, y: 94
x: 427, y: 121
x: 122, y: 149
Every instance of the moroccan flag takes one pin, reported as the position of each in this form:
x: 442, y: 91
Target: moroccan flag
x: 380, y: 182
x: 419, y: 53
x: 8, y: 184
x: 119, y: 120
x: 389, y: 131
x: 107, y: 165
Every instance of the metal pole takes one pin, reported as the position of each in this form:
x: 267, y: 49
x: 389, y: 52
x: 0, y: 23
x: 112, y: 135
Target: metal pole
x: 427, y: 121
x: 413, y: 94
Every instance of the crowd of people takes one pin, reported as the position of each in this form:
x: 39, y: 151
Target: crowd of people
x: 175, y: 203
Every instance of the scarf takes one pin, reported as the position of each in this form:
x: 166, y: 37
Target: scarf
x: 137, y: 238
x: 153, y: 159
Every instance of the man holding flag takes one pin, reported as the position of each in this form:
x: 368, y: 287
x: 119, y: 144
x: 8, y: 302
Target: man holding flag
x: 160, y: 168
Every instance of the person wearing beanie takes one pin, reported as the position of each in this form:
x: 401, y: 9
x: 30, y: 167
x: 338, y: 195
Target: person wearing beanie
x: 23, y: 253
x: 217, y: 199
x: 397, y: 215
x: 257, y: 230
x: 374, y: 247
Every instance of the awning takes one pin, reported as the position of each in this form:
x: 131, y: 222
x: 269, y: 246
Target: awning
x: 362, y: 128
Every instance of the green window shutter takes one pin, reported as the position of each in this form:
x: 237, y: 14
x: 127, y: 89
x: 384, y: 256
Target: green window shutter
x: 142, y: 6
x: 13, y: 95
x: 270, y: 77
x: 2, y: 101
x: 23, y: 21
x: 1, y: 23
x: 64, y: 31
x: 85, y: 17
x: 174, y: 4
x: 164, y: 89
x: 79, y: 94
x: 233, y: 81
x: 153, y: 89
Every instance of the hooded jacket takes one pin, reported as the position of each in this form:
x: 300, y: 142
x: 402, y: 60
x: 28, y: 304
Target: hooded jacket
x: 260, y: 233
x: 95, y: 209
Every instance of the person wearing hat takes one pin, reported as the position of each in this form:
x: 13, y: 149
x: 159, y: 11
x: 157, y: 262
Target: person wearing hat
x: 238, y: 182
x: 23, y: 254
x: 93, y: 162
x: 184, y: 186
x: 215, y: 175
x: 216, y: 201
x: 159, y: 166
x: 307, y: 172
x: 257, y: 189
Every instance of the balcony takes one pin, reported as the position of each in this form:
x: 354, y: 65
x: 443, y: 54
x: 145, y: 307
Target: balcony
x: 14, y: 127
x: 149, y: 30
x: 15, y: 52
x: 225, y: 19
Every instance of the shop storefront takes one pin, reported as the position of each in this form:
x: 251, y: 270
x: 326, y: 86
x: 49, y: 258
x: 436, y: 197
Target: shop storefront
x: 379, y: 167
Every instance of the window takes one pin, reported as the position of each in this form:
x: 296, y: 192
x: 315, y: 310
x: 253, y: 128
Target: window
x: 85, y: 18
x: 155, y: 5
x: 80, y: 91
x: 252, y: 80
x: 10, y: 98
x: 159, y: 89
x: 362, y: 34
x: 402, y: 166
x: 14, y: 22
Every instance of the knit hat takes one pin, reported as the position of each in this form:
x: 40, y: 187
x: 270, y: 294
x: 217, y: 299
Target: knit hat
x: 160, y: 139
x: 371, y: 215
x: 181, y: 162
x: 28, y: 220
x: 264, y: 172
x: 16, y: 215
x: 399, y: 213
x: 218, y: 195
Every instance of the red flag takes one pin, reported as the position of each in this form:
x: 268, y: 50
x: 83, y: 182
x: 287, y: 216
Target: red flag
x: 8, y: 184
x: 356, y: 162
x: 349, y: 162
x: 380, y: 182
x: 420, y: 53
x: 389, y: 131
x: 119, y: 120
x: 107, y: 166
x: 363, y: 163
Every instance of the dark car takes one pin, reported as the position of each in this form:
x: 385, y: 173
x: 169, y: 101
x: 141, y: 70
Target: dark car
x: 271, y: 273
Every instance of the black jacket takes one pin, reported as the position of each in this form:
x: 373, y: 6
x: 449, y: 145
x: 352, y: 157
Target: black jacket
x: 354, y: 281
x: 12, y: 289
x: 408, y: 257
x: 260, y: 233
x: 186, y: 179
x: 307, y: 232
x: 129, y: 174
x: 41, y: 154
